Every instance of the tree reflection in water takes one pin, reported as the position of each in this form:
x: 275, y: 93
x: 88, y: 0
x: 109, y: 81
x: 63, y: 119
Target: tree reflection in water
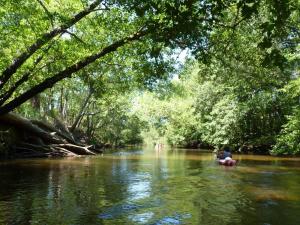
x: 141, y: 187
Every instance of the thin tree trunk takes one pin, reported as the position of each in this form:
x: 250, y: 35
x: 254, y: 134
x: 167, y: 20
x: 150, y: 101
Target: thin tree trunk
x: 81, y: 112
x: 65, y: 106
x: 61, y: 102
x: 36, y: 103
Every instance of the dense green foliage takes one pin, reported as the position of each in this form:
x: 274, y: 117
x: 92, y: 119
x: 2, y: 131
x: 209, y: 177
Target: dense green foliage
x: 247, y: 99
x: 289, y: 139
x: 78, y: 63
x: 213, y: 111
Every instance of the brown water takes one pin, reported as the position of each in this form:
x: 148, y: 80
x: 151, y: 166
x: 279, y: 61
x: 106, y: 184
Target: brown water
x: 144, y: 187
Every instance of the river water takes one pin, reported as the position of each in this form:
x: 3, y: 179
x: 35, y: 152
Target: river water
x: 144, y: 186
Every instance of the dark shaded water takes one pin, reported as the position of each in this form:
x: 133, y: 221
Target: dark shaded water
x: 147, y: 187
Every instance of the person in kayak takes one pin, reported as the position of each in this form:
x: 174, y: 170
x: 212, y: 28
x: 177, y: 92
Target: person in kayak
x: 225, y: 154
x: 225, y: 157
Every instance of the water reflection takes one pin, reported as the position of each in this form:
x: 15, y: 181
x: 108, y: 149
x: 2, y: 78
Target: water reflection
x: 143, y: 187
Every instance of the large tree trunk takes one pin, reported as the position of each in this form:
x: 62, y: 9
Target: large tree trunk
x: 40, y: 139
x: 48, y: 127
x: 26, y: 125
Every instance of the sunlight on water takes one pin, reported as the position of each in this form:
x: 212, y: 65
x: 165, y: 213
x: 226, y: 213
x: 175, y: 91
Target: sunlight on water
x: 145, y: 186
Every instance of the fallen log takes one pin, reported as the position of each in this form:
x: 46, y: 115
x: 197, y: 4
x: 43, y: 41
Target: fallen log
x: 63, y: 128
x: 25, y: 124
x: 49, y: 127
x: 40, y: 139
x: 39, y: 148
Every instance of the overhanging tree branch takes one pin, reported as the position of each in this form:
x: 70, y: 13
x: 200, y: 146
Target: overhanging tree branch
x: 7, y: 94
x: 76, y: 37
x: 44, y: 39
x: 49, y: 14
x: 49, y: 82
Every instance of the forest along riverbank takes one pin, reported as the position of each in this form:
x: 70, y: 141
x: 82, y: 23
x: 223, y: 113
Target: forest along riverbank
x: 142, y: 186
x: 158, y: 71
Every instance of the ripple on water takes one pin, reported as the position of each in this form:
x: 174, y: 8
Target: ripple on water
x: 118, y: 210
x: 136, y: 213
x: 173, y: 220
x: 131, y: 210
x: 136, y: 188
x: 141, y: 217
x: 126, y: 208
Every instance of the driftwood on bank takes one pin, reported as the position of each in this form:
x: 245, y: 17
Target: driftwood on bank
x: 40, y: 139
x: 50, y: 128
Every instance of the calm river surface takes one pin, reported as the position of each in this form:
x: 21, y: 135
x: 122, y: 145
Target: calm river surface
x: 148, y: 187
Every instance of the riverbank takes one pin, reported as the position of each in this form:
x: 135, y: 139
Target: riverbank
x: 24, y: 138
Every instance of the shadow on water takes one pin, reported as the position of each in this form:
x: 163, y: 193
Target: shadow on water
x: 143, y: 186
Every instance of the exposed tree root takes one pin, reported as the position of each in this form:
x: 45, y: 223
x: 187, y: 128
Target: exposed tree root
x: 40, y: 139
